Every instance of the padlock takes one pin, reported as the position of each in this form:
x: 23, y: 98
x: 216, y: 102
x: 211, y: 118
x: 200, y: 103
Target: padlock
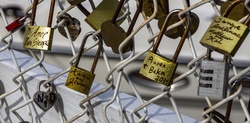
x: 225, y: 35
x: 72, y: 24
x: 213, y: 77
x: 75, y: 2
x: 80, y: 79
x: 113, y: 35
x: 103, y: 12
x: 44, y: 100
x: 16, y: 23
x: 39, y: 37
x: 159, y: 68
x: 178, y: 31
x: 238, y: 12
x: 162, y: 8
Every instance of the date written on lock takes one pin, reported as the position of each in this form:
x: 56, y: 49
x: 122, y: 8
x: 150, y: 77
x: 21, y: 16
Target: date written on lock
x: 80, y: 80
x: 224, y: 35
x: 158, y: 69
x: 38, y: 37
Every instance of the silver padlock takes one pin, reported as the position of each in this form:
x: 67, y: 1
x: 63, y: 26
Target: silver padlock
x: 213, y: 77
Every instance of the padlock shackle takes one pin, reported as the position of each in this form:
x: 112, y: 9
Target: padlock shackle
x: 33, y: 12
x: 51, y: 12
x: 83, y: 9
x: 162, y: 31
x: 136, y: 15
x: 230, y: 7
x: 183, y: 38
x: 166, y: 7
x: 81, y: 50
x: 117, y: 11
x: 247, y: 21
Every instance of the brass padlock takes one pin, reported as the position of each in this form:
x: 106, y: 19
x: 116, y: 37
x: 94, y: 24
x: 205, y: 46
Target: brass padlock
x: 158, y: 68
x: 162, y: 8
x: 39, y: 37
x: 113, y: 35
x: 80, y: 79
x: 75, y: 2
x: 103, y: 12
x: 225, y: 35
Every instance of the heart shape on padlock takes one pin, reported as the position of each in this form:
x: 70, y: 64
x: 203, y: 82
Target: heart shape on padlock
x: 73, y: 27
x: 45, y: 100
x: 113, y: 35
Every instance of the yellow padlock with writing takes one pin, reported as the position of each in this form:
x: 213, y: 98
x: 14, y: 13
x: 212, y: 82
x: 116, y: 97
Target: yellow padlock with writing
x: 39, y: 37
x: 158, y: 68
x: 225, y: 35
x: 80, y: 79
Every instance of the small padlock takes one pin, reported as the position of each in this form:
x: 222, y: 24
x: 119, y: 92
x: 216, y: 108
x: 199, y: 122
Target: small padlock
x: 72, y: 24
x: 39, y: 37
x: 213, y: 77
x: 103, y: 12
x: 225, y: 35
x: 44, y: 100
x: 162, y: 8
x: 158, y: 68
x: 113, y: 35
x: 80, y: 79
x: 16, y: 23
x: 238, y: 12
x: 75, y: 2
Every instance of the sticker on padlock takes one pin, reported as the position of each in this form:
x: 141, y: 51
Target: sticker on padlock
x: 113, y: 35
x: 72, y: 24
x: 44, y: 100
x: 39, y: 37
x: 162, y: 8
x: 225, y: 35
x: 80, y: 79
x: 213, y: 77
x: 158, y: 68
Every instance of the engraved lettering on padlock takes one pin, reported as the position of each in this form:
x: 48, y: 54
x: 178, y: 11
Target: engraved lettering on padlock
x: 80, y: 79
x: 39, y: 37
x: 225, y: 35
x: 158, y: 68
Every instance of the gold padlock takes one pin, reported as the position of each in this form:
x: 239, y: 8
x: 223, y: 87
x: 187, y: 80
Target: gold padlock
x: 80, y: 79
x: 225, y: 35
x: 158, y: 68
x: 39, y: 37
x: 103, y: 12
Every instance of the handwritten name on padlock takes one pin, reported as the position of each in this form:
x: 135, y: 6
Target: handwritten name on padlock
x: 224, y: 34
x: 38, y: 37
x: 45, y: 100
x: 80, y: 80
x: 158, y: 69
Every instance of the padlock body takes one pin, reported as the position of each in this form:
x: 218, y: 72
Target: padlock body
x: 213, y: 78
x: 224, y: 36
x: 12, y: 25
x: 38, y: 38
x: 158, y: 68
x: 75, y: 2
x: 80, y: 80
x: 103, y: 12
